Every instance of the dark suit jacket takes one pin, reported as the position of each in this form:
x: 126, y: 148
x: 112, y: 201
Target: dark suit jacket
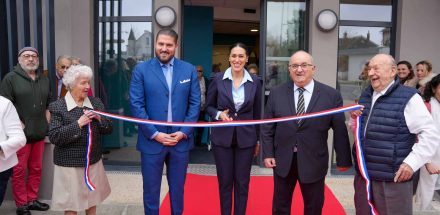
x: 279, y: 139
x: 149, y: 100
x: 220, y: 98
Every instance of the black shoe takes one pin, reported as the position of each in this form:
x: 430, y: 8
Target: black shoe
x: 38, y: 206
x: 23, y: 210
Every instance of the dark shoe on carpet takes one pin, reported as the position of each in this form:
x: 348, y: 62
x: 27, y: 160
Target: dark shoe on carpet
x: 38, y: 206
x: 23, y: 210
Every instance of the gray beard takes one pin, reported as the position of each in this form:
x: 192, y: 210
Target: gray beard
x: 29, y: 68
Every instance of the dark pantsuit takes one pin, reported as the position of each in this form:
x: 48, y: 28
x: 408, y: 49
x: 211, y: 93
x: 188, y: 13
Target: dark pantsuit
x: 233, y: 172
x: 4, y: 178
x: 388, y: 197
x: 152, y: 168
x: 313, y: 193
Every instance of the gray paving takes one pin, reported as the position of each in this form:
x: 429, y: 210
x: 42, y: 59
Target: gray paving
x: 126, y: 196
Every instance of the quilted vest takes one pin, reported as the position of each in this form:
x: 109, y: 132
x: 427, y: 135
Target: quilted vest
x: 385, y: 138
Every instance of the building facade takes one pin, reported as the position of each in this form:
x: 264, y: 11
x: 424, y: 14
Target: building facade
x: 112, y: 36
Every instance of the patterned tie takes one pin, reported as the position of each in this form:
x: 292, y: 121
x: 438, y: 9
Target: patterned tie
x: 300, y: 107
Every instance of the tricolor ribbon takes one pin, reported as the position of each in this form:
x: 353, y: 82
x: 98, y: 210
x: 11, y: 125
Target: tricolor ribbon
x: 232, y: 123
x: 207, y: 124
x: 88, y: 152
x: 361, y: 163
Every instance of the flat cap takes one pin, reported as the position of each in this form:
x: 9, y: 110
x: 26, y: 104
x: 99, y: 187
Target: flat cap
x: 28, y: 48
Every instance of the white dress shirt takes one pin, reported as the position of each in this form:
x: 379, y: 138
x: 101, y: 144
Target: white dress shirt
x: 237, y: 94
x: 12, y: 137
x: 307, y: 94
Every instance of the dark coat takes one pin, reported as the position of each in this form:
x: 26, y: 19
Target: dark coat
x: 279, y: 139
x: 69, y: 139
x: 220, y: 98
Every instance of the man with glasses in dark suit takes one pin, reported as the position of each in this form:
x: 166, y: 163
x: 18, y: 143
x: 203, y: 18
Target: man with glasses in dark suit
x: 298, y: 150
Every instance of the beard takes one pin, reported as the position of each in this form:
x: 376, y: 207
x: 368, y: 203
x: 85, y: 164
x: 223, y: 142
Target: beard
x: 164, y: 57
x: 30, y: 67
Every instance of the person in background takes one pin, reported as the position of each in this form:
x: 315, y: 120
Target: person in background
x: 424, y: 74
x: 234, y: 95
x: 165, y: 89
x: 429, y: 175
x: 203, y: 86
x: 75, y: 61
x: 392, y: 117
x: 28, y: 89
x: 406, y: 74
x: 63, y: 64
x: 68, y: 131
x: 252, y: 69
x: 298, y: 150
x: 12, y: 138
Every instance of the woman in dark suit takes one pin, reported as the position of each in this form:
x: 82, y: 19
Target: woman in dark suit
x: 234, y: 95
x: 70, y: 118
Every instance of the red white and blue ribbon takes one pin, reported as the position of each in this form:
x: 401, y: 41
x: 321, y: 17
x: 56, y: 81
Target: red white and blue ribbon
x: 361, y: 163
x: 88, y: 152
x: 206, y: 124
x: 232, y: 123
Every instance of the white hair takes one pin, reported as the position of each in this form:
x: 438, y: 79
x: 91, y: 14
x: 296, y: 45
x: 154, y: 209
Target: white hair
x: 71, y: 76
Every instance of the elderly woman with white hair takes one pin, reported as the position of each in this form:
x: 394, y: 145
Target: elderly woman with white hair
x: 68, y: 131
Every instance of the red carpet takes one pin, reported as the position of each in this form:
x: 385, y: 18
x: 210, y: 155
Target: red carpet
x: 202, y: 198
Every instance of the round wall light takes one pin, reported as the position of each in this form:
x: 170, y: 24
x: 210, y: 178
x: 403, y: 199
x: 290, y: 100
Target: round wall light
x: 326, y: 20
x: 165, y: 16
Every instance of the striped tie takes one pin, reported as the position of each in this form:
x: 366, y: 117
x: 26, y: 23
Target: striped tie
x: 300, y: 107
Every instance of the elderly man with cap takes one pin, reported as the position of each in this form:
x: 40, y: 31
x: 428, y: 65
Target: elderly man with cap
x: 28, y: 90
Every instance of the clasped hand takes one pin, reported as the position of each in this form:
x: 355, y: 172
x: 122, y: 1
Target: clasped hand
x: 169, y: 139
x: 224, y: 116
x: 88, y: 117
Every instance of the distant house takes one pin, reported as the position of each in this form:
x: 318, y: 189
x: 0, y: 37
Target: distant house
x: 139, y: 48
x: 353, y: 52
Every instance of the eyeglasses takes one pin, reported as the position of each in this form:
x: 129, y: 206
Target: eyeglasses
x: 303, y: 66
x: 199, y: 71
x: 64, y: 67
x: 28, y: 56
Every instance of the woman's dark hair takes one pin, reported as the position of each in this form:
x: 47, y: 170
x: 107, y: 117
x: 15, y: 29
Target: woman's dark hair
x: 411, y: 71
x: 240, y: 45
x: 430, y: 86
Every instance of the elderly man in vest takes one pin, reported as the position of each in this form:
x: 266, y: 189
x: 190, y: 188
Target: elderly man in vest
x: 393, y: 118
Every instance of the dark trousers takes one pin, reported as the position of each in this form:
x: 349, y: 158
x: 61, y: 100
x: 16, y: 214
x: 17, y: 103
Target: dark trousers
x: 4, y: 178
x: 233, y: 173
x: 313, y: 193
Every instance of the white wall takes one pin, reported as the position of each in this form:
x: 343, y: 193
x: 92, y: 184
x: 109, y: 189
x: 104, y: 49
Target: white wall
x: 418, y: 32
x: 74, y: 29
x: 324, y: 45
x: 177, y: 6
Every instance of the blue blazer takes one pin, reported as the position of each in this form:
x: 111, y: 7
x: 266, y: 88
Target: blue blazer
x: 220, y: 98
x: 149, y: 100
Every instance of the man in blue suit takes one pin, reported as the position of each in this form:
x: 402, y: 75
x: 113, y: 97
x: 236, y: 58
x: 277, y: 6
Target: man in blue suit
x: 165, y: 89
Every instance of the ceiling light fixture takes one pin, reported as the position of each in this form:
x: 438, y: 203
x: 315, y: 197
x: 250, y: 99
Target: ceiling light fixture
x: 254, y: 30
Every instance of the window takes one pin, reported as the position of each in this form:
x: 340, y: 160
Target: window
x: 365, y: 30
x: 125, y: 38
x: 285, y: 34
